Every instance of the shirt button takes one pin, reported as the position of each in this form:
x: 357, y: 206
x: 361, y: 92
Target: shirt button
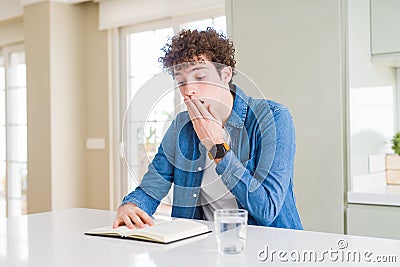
x: 199, y: 168
x: 194, y: 195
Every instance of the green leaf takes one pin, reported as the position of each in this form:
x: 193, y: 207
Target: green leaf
x: 396, y: 143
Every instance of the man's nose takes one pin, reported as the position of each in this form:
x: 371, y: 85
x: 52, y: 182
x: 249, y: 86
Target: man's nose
x: 190, y: 88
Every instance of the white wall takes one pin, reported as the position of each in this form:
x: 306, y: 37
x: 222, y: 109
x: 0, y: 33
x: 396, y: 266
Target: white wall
x: 294, y: 50
x: 68, y: 105
x: 97, y: 117
x: 132, y: 12
x: 12, y: 32
x: 10, y: 9
x: 37, y: 45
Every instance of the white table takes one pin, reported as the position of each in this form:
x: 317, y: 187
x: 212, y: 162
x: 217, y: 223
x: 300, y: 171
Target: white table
x: 57, y: 239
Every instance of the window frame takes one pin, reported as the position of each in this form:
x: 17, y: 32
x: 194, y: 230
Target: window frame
x: 121, y: 182
x: 5, y: 52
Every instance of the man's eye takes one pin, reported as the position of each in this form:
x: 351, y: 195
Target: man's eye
x: 181, y: 83
x: 199, y: 78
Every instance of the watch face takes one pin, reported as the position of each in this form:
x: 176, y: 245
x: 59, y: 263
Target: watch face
x: 218, y: 151
x: 221, y: 150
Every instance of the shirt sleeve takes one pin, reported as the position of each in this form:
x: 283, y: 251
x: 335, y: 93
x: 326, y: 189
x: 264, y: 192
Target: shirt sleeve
x: 264, y: 191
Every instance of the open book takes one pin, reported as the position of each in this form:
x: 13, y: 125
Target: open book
x: 162, y: 231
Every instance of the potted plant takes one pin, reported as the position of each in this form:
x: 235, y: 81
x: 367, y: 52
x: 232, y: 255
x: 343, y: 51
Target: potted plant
x: 393, y: 162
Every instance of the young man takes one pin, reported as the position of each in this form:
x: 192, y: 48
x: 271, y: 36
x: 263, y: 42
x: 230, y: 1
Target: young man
x: 227, y: 151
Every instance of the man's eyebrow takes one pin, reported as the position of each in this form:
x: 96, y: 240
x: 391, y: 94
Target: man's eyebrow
x: 194, y: 69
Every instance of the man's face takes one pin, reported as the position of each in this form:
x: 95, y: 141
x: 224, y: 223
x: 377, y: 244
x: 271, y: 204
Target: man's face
x: 202, y: 80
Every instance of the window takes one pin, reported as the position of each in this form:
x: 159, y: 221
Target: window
x: 218, y: 23
x: 140, y: 50
x: 13, y: 132
x: 371, y: 125
x: 143, y: 136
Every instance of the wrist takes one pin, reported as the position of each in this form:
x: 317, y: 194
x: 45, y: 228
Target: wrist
x: 210, y: 143
x: 217, y: 160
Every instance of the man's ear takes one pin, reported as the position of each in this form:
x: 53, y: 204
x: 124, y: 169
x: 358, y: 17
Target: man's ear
x: 226, y: 74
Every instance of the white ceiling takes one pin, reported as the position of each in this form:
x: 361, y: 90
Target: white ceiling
x: 14, y: 8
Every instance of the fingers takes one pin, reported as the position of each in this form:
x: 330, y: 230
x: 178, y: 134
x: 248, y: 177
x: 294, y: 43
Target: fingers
x: 206, y: 126
x: 214, y: 113
x: 145, y: 217
x: 193, y: 110
x: 198, y: 111
x: 133, y: 220
x: 118, y: 221
x: 132, y: 216
x: 200, y: 107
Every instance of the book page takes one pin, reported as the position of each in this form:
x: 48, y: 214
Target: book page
x: 162, y: 231
x: 121, y: 230
x: 171, y: 231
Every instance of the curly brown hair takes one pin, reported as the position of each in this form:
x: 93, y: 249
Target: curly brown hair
x: 190, y: 44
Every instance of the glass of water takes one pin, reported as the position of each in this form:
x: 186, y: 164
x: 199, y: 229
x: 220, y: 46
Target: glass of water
x: 230, y: 229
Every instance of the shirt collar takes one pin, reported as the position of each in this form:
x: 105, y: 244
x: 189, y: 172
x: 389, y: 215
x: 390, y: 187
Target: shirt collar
x: 239, y: 109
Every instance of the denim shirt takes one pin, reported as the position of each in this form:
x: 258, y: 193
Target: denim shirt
x: 258, y: 170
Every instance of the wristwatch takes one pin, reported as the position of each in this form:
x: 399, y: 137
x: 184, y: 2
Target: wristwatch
x: 218, y: 151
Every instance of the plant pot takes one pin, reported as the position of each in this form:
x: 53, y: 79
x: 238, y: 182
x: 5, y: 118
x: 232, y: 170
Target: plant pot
x: 393, y: 169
